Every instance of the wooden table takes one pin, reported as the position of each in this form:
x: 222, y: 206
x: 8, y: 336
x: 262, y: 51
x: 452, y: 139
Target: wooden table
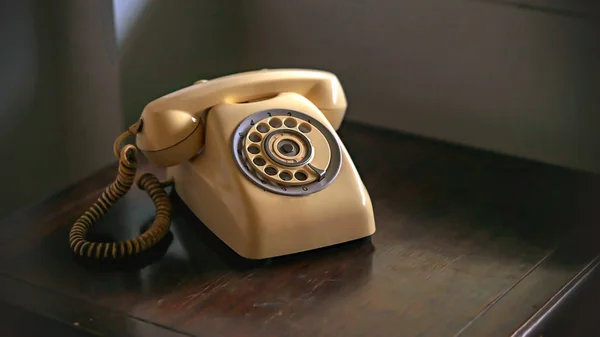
x: 468, y: 243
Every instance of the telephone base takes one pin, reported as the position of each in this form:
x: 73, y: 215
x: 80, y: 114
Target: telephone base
x: 274, y: 179
x: 240, y: 226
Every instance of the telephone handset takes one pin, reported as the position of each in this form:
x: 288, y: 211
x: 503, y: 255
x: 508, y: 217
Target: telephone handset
x: 255, y: 156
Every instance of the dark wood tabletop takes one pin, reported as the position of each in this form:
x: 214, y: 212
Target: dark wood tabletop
x: 468, y: 243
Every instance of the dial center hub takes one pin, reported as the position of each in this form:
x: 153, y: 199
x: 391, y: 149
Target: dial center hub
x: 288, y: 148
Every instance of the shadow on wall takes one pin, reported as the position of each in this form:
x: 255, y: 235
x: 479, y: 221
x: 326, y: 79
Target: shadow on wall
x: 30, y: 102
x: 68, y: 86
x: 164, y: 47
x: 57, y: 98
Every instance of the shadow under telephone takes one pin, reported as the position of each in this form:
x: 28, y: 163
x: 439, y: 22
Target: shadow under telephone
x: 255, y: 156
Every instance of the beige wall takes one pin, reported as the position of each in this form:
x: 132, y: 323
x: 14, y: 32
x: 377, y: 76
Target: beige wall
x: 58, y: 97
x: 487, y: 75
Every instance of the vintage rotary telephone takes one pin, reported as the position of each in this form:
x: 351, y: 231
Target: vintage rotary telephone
x: 255, y: 156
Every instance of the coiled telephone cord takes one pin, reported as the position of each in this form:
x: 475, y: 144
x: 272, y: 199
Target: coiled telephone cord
x: 127, y: 157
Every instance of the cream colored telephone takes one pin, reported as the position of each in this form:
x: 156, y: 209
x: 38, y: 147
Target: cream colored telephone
x: 255, y: 156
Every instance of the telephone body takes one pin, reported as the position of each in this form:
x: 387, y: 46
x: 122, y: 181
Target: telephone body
x: 256, y: 157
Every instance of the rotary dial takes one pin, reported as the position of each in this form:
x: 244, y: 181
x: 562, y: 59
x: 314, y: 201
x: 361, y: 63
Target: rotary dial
x: 287, y: 152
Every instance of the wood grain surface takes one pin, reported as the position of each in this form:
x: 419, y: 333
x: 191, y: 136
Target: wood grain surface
x: 468, y: 243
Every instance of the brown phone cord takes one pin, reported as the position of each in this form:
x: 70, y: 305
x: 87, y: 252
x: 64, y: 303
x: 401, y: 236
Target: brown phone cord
x: 118, y: 188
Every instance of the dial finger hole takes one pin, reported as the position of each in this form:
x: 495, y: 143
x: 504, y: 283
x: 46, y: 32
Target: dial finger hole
x: 275, y: 122
x: 270, y: 170
x: 305, y: 128
x: 262, y: 128
x: 255, y: 137
x: 258, y: 161
x: 300, y: 175
x: 285, y: 176
x: 253, y: 149
x: 290, y: 123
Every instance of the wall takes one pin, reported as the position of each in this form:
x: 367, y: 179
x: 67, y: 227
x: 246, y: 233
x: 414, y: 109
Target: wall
x: 488, y: 75
x: 58, y: 96
x: 497, y: 76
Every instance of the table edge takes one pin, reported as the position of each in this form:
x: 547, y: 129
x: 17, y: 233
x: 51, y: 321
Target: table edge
x: 536, y: 324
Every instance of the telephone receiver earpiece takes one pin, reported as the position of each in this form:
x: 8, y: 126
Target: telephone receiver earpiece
x: 172, y: 130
